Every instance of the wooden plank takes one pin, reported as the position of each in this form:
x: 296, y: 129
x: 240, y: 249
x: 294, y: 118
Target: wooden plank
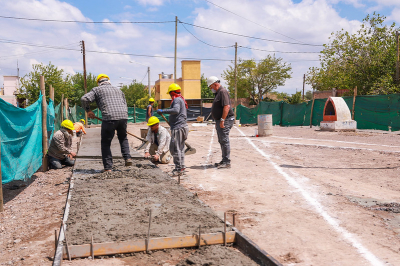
x: 250, y: 248
x: 101, y: 249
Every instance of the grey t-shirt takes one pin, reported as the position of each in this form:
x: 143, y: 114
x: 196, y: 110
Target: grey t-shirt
x: 147, y: 112
x: 177, y: 113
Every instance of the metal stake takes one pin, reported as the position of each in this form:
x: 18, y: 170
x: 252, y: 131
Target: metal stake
x: 92, y: 249
x: 148, y: 235
x: 55, y: 239
x: 66, y: 241
x: 199, y: 236
x: 224, y: 228
x: 234, y: 219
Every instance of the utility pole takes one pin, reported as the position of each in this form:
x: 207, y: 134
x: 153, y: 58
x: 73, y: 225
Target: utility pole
x: 304, y: 82
x: 84, y: 76
x: 397, y: 61
x: 148, y: 74
x: 176, y: 43
x: 236, y: 105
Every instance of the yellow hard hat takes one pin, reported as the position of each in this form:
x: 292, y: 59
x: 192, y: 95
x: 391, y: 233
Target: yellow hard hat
x: 82, y: 120
x: 152, y: 121
x: 173, y: 87
x: 151, y: 100
x: 68, y: 124
x: 100, y: 76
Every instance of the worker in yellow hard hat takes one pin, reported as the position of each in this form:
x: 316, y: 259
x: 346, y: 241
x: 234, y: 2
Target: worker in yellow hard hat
x: 179, y: 128
x: 80, y: 128
x: 158, y: 141
x: 60, y: 151
x: 112, y: 104
x: 149, y: 110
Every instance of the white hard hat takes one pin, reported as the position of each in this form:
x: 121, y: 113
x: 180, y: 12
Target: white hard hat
x: 212, y: 80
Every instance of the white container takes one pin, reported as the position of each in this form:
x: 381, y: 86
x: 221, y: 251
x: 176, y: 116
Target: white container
x: 264, y: 125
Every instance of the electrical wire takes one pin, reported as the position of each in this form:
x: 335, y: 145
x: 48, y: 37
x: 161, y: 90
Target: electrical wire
x: 205, y: 42
x: 31, y: 53
x: 88, y: 22
x: 251, y: 37
x: 144, y: 77
x: 284, y: 52
x: 250, y: 20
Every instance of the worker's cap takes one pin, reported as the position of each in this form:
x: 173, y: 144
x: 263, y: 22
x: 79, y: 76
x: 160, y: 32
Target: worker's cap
x: 101, y: 76
x: 151, y: 100
x: 68, y: 124
x: 152, y: 121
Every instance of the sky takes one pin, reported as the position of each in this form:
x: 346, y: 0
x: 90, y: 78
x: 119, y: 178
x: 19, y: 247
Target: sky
x: 293, y: 30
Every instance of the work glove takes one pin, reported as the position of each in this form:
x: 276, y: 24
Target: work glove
x: 159, y: 111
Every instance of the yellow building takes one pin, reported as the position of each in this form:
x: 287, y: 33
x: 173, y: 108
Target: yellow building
x: 189, y: 82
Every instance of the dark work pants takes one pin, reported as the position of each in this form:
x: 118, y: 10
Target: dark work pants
x: 177, y: 146
x: 55, y: 163
x: 223, y: 138
x: 108, y: 129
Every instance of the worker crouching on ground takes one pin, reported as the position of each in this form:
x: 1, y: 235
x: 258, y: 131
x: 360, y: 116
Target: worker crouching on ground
x: 158, y: 141
x: 60, y: 151
x: 149, y: 110
x: 224, y: 118
x: 80, y: 128
x: 112, y: 104
x: 179, y: 128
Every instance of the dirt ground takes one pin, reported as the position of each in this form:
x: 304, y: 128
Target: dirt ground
x: 114, y: 206
x: 306, y: 197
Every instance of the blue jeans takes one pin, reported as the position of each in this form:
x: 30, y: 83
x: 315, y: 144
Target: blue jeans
x: 223, y: 138
x: 55, y: 163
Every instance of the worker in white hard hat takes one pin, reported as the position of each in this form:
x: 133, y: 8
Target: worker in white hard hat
x: 149, y: 110
x: 224, y: 118
x: 112, y: 104
x: 158, y: 142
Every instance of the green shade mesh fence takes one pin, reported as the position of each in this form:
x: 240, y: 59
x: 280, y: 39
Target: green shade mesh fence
x: 371, y: 112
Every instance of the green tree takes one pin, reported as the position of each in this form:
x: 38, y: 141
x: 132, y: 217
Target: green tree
x: 254, y: 80
x: 136, y: 94
x: 205, y: 91
x: 30, y: 83
x: 78, y: 86
x: 308, y: 95
x: 365, y: 59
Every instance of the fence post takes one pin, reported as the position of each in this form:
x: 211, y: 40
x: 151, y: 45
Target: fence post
x: 66, y: 106
x: 354, y: 103
x: 62, y: 108
x: 134, y: 113
x: 1, y: 185
x: 312, y: 109
x: 44, y: 124
x: 51, y: 93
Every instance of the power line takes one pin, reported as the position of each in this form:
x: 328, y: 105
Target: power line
x: 30, y: 53
x: 250, y: 20
x: 144, y: 76
x: 88, y: 22
x: 247, y: 36
x: 204, y: 41
x: 284, y: 52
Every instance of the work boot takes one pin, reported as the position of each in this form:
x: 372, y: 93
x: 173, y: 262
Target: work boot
x: 128, y: 162
x: 224, y: 165
x: 177, y: 172
x: 218, y: 164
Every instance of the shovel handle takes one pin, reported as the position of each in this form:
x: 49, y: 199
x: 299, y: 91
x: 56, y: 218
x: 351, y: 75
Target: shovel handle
x: 187, y: 144
x: 126, y: 131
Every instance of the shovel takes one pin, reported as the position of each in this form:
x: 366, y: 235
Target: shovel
x: 143, y: 140
x: 189, y: 149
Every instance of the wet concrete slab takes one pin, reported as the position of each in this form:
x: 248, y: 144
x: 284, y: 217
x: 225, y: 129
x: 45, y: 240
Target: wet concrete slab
x: 91, y: 146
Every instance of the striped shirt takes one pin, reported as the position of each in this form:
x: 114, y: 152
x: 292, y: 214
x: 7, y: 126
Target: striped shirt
x: 110, y: 100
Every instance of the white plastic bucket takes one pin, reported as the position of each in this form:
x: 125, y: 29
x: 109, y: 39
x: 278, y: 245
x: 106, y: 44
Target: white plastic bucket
x: 264, y: 125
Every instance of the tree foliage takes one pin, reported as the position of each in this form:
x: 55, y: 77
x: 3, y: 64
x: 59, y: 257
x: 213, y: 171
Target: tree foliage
x: 205, y: 91
x: 136, y: 94
x: 365, y: 59
x: 254, y: 80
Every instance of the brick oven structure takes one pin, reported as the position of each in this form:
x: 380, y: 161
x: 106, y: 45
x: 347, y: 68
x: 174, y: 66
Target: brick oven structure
x: 337, y: 116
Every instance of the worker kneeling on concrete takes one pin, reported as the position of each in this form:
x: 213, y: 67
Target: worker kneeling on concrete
x: 80, y: 128
x: 60, y: 151
x: 158, y: 141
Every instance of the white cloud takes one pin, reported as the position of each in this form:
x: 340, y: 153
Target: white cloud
x: 151, y: 2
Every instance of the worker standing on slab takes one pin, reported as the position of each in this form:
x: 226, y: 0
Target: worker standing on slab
x: 112, y: 104
x: 224, y: 118
x: 179, y: 128
x: 80, y: 128
x: 149, y: 110
x: 60, y: 151
x: 158, y: 141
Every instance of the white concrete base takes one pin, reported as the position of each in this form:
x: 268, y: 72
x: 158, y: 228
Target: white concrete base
x: 338, y: 125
